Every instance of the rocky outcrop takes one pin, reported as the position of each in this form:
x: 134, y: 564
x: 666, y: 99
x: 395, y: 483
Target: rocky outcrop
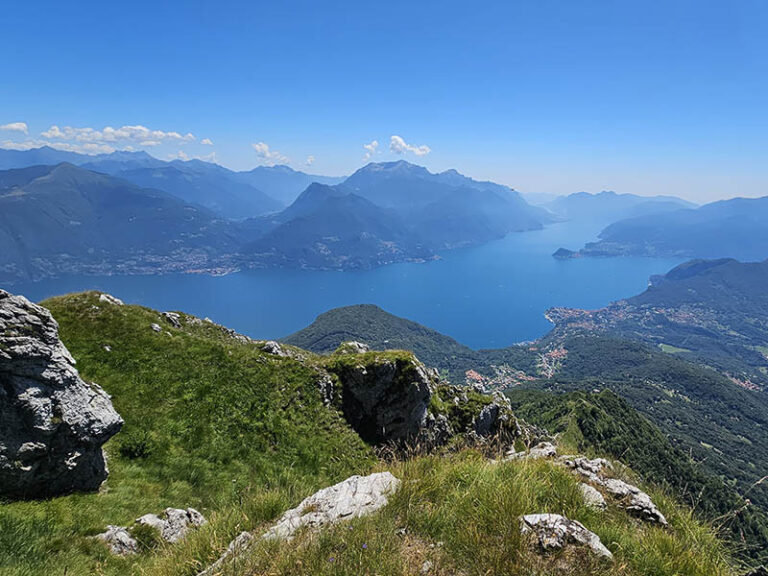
x: 354, y: 497
x: 629, y: 497
x: 554, y: 532
x: 384, y: 399
x: 172, y: 527
x: 175, y: 522
x: 352, y: 347
x: 173, y: 318
x: 52, y: 423
x: 540, y: 450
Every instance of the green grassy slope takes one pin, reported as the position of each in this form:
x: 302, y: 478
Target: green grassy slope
x: 604, y: 423
x: 214, y: 423
x: 208, y: 421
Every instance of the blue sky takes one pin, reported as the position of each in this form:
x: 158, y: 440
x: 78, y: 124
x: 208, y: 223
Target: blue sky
x: 644, y: 97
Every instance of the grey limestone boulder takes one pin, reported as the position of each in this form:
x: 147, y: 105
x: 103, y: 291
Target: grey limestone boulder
x: 52, y: 423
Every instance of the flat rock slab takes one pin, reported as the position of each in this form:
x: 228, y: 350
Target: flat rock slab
x: 354, y: 497
x: 554, y: 532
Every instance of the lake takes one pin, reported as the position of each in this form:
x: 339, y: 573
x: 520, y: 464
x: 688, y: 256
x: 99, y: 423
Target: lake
x: 485, y: 297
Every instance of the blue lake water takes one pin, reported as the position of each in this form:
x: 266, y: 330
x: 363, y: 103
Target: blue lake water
x: 487, y: 296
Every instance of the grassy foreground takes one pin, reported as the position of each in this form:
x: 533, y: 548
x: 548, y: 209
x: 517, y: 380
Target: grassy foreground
x: 460, y: 512
x: 216, y: 424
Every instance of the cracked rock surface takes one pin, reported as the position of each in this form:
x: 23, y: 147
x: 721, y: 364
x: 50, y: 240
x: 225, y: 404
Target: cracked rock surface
x: 52, y: 423
x: 554, y: 532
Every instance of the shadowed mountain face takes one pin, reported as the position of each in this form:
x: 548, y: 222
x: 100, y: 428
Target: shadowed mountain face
x: 283, y: 183
x: 736, y: 228
x: 216, y: 190
x: 344, y: 231
x: 60, y: 219
x: 441, y: 210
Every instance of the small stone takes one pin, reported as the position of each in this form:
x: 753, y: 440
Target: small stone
x: 426, y: 568
x: 119, y: 540
x: 554, y: 532
x: 156, y: 327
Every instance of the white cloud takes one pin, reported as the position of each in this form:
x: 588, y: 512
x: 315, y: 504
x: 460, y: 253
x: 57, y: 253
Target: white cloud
x: 370, y: 149
x: 180, y: 155
x: 25, y: 145
x: 206, y: 142
x: 86, y: 148
x: 400, y: 146
x: 310, y: 160
x: 137, y: 134
x: 267, y: 155
x: 15, y: 127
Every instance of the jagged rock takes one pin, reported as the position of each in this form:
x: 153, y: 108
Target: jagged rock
x: 634, y: 500
x: 629, y: 497
x: 272, y: 347
x: 541, y: 450
x: 554, y: 532
x: 119, y: 540
x: 352, y: 347
x: 486, y: 420
x: 590, y: 469
x: 173, y: 318
x: 354, y: 497
x: 156, y: 327
x: 324, y: 383
x: 52, y: 423
x: 436, y: 431
x: 592, y: 497
x: 384, y: 399
x: 176, y: 523
x: 108, y: 299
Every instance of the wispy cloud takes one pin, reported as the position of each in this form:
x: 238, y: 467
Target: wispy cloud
x: 267, y: 155
x: 15, y: 127
x: 400, y: 146
x: 371, y: 148
x: 310, y: 160
x: 206, y: 142
x: 86, y: 148
x: 135, y: 134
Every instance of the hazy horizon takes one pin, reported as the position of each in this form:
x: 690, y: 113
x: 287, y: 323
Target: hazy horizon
x: 645, y: 99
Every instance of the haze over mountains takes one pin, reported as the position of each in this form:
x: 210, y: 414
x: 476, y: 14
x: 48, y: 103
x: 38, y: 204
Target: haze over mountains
x: 735, y: 228
x: 216, y: 220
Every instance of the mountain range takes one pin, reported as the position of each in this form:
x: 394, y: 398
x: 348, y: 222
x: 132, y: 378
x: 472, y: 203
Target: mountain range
x: 607, y: 207
x: 215, y: 220
x: 735, y: 228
